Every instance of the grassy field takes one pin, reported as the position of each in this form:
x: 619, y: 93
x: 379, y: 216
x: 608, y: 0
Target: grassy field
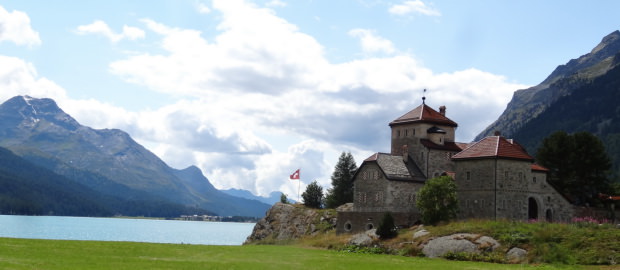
x: 60, y: 254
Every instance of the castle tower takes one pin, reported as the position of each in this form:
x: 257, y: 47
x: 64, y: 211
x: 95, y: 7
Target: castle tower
x: 429, y: 137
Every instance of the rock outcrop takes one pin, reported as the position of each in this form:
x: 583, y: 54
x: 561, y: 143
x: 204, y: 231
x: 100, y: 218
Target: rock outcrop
x: 288, y: 221
x: 461, y: 242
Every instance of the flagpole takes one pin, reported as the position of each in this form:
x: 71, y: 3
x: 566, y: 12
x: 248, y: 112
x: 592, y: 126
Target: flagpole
x: 298, y: 188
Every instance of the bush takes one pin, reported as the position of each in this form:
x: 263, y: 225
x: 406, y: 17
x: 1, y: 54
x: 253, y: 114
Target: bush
x: 437, y: 200
x: 386, y: 228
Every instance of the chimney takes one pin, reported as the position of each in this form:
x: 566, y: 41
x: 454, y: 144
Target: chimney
x: 405, y: 153
x: 442, y: 110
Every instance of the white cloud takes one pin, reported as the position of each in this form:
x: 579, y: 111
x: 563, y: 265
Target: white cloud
x: 259, y: 99
x: 261, y: 79
x: 275, y: 3
x: 203, y: 8
x: 18, y: 77
x: 102, y: 28
x: 415, y: 6
x: 15, y: 27
x: 371, y: 43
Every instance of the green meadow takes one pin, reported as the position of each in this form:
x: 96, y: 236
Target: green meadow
x: 62, y: 254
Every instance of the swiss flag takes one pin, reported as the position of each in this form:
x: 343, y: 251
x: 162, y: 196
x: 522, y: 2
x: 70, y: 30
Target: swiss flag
x: 295, y: 175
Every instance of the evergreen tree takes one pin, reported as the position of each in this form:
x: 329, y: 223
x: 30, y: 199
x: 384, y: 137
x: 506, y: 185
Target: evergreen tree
x: 313, y: 196
x: 342, y: 182
x: 386, y: 228
x: 437, y: 201
x: 578, y: 164
x: 283, y: 198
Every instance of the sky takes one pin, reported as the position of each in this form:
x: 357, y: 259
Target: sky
x: 250, y: 91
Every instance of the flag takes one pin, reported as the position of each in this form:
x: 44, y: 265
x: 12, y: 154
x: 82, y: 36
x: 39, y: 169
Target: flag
x: 295, y: 175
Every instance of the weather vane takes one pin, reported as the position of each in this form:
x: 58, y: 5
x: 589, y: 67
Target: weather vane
x: 424, y: 96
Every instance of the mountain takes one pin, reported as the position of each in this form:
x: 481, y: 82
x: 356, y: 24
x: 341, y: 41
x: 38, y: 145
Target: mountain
x: 527, y: 104
x: 107, y: 160
x: 242, y: 193
x: 28, y: 189
x: 582, y: 95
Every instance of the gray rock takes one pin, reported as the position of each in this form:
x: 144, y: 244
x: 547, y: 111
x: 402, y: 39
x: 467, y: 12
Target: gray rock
x: 420, y: 233
x: 452, y: 243
x: 364, y: 239
x: 286, y: 221
x: 487, y: 243
x: 516, y: 255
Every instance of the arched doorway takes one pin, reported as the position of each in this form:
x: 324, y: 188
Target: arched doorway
x: 549, y: 215
x: 532, y: 209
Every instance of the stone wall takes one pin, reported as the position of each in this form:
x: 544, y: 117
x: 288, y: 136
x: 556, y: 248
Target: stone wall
x: 508, y: 189
x: 355, y: 222
x: 374, y: 193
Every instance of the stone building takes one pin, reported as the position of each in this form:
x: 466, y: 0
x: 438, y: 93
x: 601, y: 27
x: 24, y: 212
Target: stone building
x: 495, y: 177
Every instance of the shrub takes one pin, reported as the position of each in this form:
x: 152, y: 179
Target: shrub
x: 386, y: 228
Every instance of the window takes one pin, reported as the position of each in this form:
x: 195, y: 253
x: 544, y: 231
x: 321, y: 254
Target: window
x: 398, y: 133
x: 506, y: 175
x: 467, y: 176
x: 348, y: 226
x: 534, y: 179
x: 406, y: 132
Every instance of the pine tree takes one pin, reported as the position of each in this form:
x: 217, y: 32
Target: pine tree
x: 386, y: 228
x: 578, y: 165
x: 342, y: 182
x: 313, y: 196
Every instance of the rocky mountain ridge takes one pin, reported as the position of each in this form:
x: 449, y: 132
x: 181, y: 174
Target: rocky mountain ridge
x: 113, y: 163
x: 527, y: 104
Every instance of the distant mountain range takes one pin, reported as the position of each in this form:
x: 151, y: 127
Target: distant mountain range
x: 581, y: 95
x: 108, y: 165
x: 272, y: 199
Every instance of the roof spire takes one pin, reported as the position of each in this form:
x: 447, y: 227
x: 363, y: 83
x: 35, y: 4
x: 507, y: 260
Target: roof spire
x: 424, y: 97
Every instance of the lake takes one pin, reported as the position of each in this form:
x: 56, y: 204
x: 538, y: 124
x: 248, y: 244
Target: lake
x: 123, y: 229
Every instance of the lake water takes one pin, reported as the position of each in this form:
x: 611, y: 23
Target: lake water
x: 121, y: 229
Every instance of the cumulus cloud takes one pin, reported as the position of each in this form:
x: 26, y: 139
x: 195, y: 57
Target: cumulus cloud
x: 261, y: 79
x: 101, y: 28
x: 371, y: 43
x: 18, y: 77
x: 15, y: 27
x: 413, y: 7
x: 259, y: 99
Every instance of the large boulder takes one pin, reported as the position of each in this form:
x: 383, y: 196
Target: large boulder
x: 288, y: 221
x: 516, y: 255
x: 461, y: 242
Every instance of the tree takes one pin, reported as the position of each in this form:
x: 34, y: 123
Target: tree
x: 386, y: 228
x: 313, y: 196
x: 437, y: 201
x: 283, y: 198
x: 578, y: 165
x: 342, y: 182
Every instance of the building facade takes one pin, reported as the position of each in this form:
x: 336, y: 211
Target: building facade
x: 495, y: 177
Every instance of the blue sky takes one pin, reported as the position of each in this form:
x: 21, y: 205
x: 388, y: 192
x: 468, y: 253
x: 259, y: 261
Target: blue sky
x: 249, y: 91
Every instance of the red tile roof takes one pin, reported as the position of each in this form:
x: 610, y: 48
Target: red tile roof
x: 536, y: 167
x: 494, y: 146
x: 424, y: 113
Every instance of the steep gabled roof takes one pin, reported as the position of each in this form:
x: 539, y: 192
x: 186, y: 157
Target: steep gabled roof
x: 394, y: 168
x: 495, y: 147
x: 424, y: 113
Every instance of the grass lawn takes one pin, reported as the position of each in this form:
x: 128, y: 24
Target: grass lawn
x: 61, y: 254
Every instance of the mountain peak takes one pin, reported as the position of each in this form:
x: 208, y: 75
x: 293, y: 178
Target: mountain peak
x: 608, y: 40
x: 26, y: 111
